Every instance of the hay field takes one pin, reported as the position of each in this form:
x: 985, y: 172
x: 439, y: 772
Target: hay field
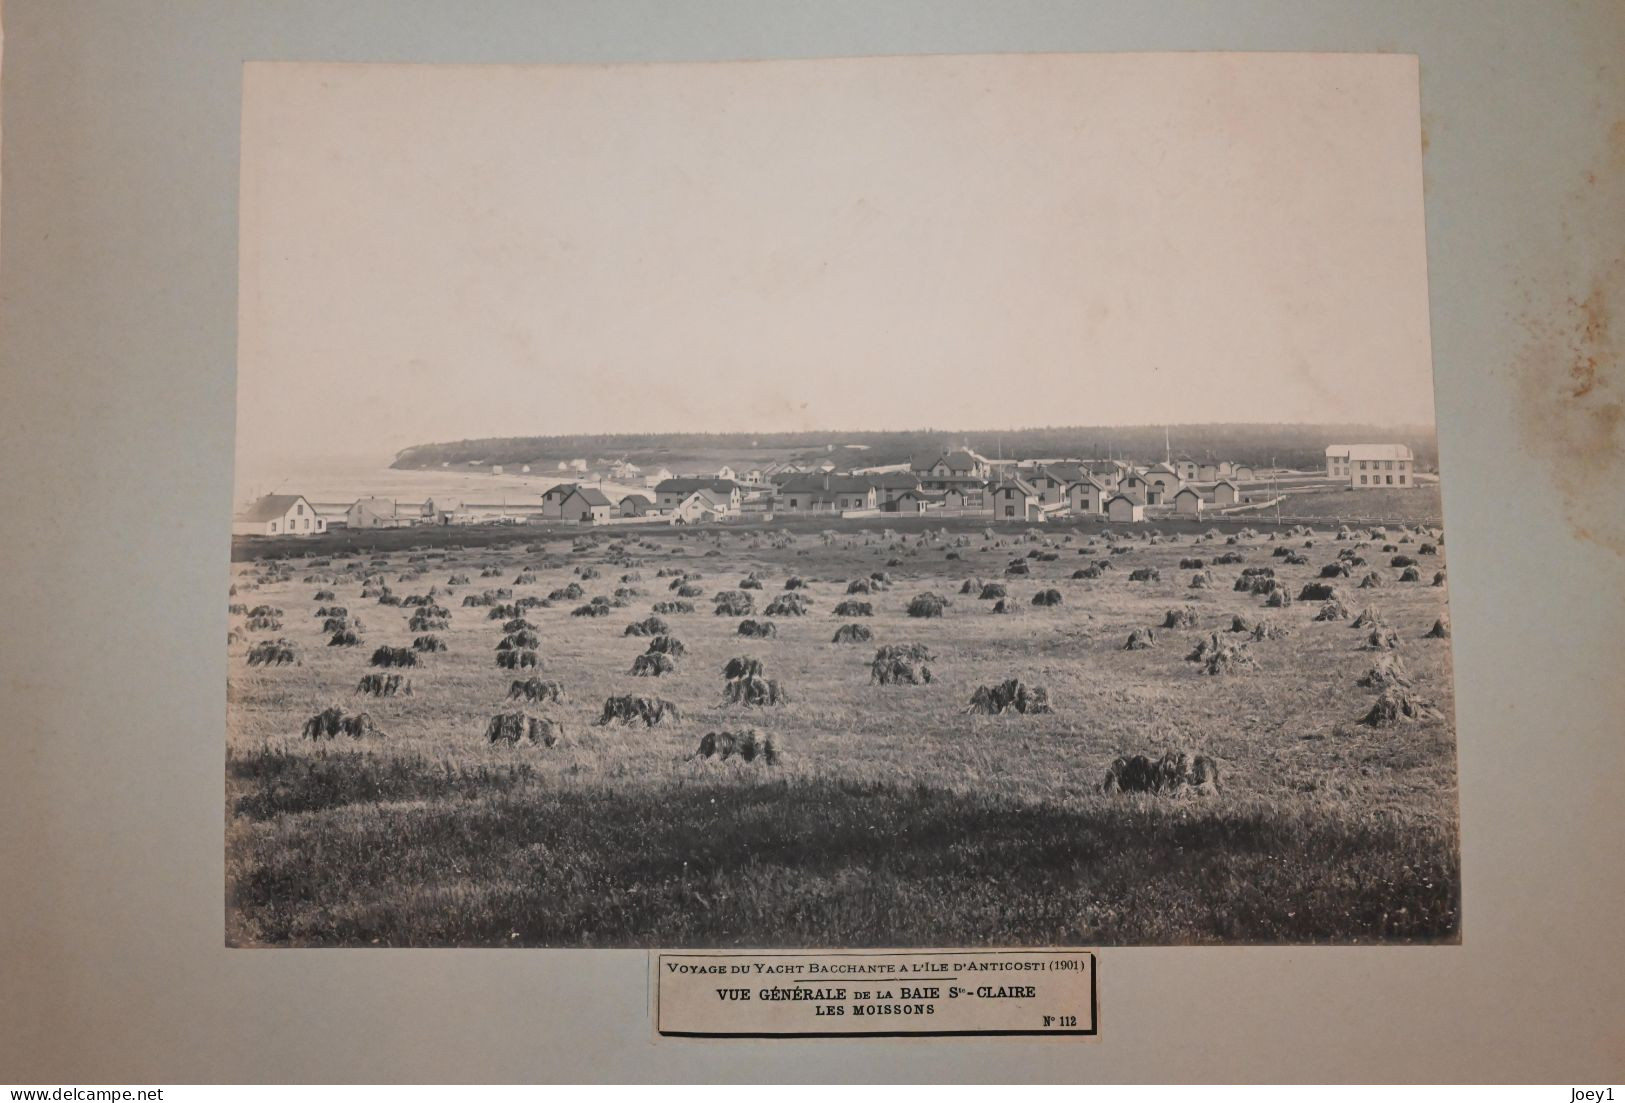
x: 891, y: 816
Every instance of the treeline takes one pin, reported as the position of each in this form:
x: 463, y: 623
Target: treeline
x: 1288, y: 445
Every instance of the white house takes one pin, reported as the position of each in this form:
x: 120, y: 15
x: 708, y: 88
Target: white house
x: 588, y: 505
x: 1225, y: 493
x: 1121, y: 509
x: 1367, y: 466
x: 379, y: 513
x: 1187, y: 501
x: 1161, y: 483
x: 1015, y: 500
x: 553, y: 500
x: 1086, y: 496
x: 278, y: 515
x: 671, y: 493
x: 705, y: 504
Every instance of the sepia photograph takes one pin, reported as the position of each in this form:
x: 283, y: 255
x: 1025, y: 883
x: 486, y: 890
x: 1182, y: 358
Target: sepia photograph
x: 939, y: 501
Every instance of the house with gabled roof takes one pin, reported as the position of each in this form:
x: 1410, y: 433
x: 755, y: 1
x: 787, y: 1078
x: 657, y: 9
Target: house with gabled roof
x: 278, y: 515
x: 671, y: 493
x: 588, y: 505
x: 1015, y: 499
x: 1086, y: 496
x: 826, y: 492
x: 636, y: 505
x: 1121, y: 509
x: 1161, y: 483
x: 1188, y: 501
x: 553, y: 500
x: 380, y: 513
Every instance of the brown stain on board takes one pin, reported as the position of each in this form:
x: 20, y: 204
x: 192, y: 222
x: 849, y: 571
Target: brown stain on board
x: 1571, y: 412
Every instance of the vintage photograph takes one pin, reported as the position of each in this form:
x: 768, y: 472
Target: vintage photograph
x: 886, y: 502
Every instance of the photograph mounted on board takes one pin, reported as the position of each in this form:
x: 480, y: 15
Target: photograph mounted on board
x: 912, y: 501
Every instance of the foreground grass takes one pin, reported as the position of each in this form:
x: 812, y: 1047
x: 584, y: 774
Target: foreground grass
x: 350, y: 848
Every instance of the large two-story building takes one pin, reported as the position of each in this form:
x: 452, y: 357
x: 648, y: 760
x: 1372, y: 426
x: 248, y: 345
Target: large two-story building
x: 1367, y: 466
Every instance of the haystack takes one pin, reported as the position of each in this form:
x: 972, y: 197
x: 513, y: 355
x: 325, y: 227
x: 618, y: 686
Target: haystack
x: 672, y: 608
x: 572, y: 592
x: 1439, y: 631
x: 1140, y: 639
x: 331, y: 722
x: 1201, y: 580
x: 787, y: 605
x: 1184, y: 617
x: 664, y: 644
x: 278, y: 652
x: 1334, y: 570
x: 1388, y: 671
x: 1047, y: 597
x: 854, y: 609
x: 592, y: 609
x: 1270, y: 630
x: 1009, y: 695
x: 514, y: 727
x: 263, y: 624
x: 1229, y: 658
x: 1174, y: 773
x: 927, y: 605
x: 1145, y: 574
x: 1398, y: 704
x: 1087, y: 572
x: 324, y: 595
x: 648, y: 626
x: 519, y: 641
x: 1191, y: 564
x: 753, y: 690
x: 1367, y: 619
x: 422, y: 622
x: 343, y: 636
x: 519, y: 659
x: 648, y: 711
x: 852, y: 633
x: 1382, y: 638
x: 1402, y: 561
x: 1371, y: 581
x: 384, y: 685
x: 1334, y: 609
x: 536, y: 690
x: 992, y: 591
x: 1239, y: 623
x: 758, y: 629
x: 1318, y: 591
x: 1279, y: 598
x: 652, y: 665
x: 747, y: 745
x: 428, y: 643
x: 1438, y: 578
x: 734, y: 603
x: 518, y: 624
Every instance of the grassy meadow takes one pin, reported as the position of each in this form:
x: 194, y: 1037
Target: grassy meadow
x: 891, y: 817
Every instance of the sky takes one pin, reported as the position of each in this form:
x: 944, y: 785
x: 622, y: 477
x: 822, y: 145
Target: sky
x: 434, y: 253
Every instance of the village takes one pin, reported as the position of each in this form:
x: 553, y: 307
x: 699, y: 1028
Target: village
x: 950, y: 482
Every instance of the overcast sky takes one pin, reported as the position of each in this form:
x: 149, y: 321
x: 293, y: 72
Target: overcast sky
x: 432, y: 253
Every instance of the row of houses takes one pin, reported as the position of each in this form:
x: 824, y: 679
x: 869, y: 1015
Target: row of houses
x: 953, y: 481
